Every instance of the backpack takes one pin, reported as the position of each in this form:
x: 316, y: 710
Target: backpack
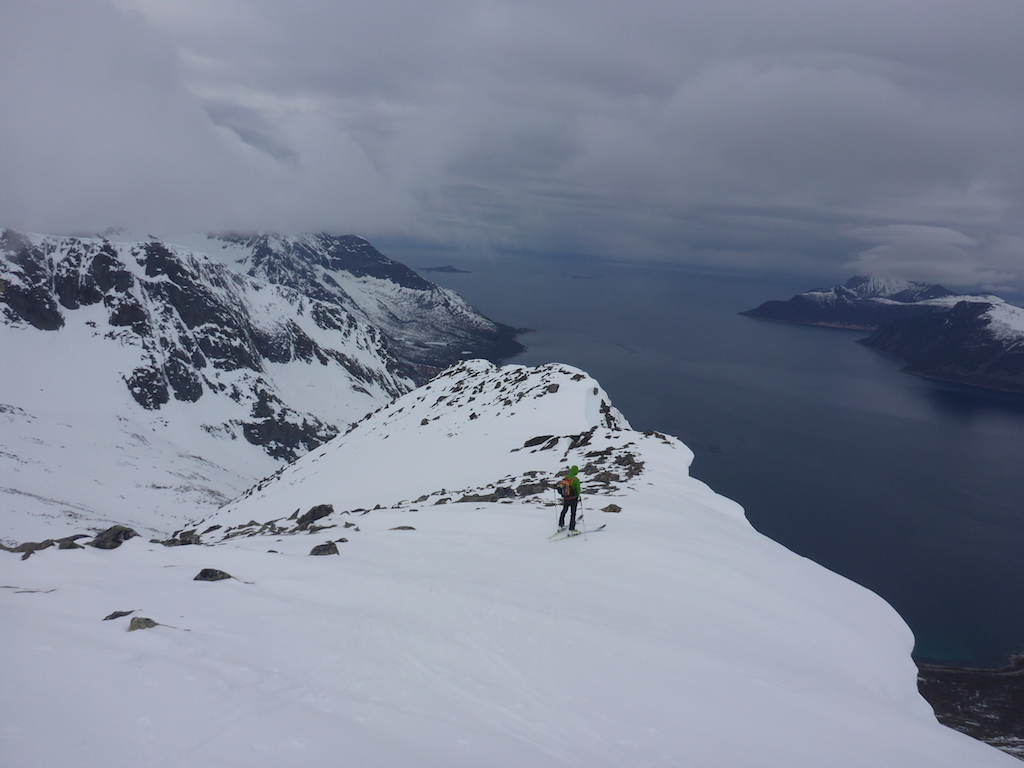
x: 564, y: 488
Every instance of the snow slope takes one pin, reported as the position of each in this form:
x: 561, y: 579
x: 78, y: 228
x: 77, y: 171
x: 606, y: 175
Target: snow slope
x: 449, y: 631
x: 148, y: 382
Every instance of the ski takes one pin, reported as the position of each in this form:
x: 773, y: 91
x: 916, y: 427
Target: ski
x: 563, y: 535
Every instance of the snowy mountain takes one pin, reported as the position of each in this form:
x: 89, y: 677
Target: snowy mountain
x: 144, y: 379
x: 863, y: 303
x: 968, y: 339
x: 448, y: 630
x: 427, y: 326
x: 976, y: 343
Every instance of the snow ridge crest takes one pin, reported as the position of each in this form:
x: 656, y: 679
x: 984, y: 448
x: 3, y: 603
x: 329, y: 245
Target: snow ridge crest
x: 476, y: 429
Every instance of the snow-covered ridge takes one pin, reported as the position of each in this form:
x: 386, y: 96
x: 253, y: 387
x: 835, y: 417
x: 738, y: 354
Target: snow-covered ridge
x: 1006, y: 322
x: 471, y: 430
x: 452, y: 632
x: 146, y: 381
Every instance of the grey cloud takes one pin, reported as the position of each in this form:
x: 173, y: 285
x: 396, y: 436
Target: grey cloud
x: 792, y: 135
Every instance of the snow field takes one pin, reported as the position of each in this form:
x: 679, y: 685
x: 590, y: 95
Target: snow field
x: 469, y: 641
x: 679, y: 636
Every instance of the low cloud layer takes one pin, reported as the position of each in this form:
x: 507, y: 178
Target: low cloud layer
x: 793, y: 135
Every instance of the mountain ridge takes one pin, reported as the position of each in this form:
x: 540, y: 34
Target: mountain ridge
x: 150, y: 370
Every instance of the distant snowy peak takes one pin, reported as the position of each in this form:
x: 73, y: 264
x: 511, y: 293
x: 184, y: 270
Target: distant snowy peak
x: 893, y: 289
x: 862, y: 303
x: 475, y: 431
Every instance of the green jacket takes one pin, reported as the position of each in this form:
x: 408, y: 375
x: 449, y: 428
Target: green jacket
x: 575, y: 481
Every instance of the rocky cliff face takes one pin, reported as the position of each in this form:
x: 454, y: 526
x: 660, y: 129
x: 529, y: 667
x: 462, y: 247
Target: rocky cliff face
x: 427, y: 327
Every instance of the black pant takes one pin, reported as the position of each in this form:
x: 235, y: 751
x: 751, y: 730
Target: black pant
x: 568, y: 504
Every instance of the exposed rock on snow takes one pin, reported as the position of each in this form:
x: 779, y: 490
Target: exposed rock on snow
x: 113, y: 537
x: 141, y: 622
x: 211, y: 574
x: 327, y: 548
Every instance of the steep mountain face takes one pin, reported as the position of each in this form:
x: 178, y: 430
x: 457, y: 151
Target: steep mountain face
x: 975, y: 343
x: 427, y: 327
x: 205, y: 371
x: 863, y: 303
x: 392, y: 597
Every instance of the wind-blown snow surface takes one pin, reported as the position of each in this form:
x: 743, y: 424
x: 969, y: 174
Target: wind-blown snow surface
x: 678, y: 636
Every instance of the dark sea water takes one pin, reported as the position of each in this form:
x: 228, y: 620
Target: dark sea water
x: 910, y: 487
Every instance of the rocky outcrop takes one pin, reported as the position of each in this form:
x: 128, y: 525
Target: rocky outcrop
x: 113, y: 537
x: 212, y: 574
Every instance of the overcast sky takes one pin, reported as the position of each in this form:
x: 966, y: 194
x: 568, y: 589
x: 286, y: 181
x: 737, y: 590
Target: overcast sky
x: 853, y: 136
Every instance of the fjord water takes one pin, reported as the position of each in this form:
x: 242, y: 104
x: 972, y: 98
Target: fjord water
x: 907, y: 486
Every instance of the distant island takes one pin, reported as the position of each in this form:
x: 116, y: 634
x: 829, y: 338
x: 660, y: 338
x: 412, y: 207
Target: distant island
x: 447, y: 268
x: 963, y: 338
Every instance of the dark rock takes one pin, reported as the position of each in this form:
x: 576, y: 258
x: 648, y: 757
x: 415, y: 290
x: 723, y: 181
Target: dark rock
x: 113, y: 537
x: 117, y: 615
x: 141, y: 622
x: 536, y: 441
x: 29, y: 547
x: 529, y: 489
x: 327, y: 548
x: 314, y: 514
x: 499, y: 493
x: 212, y: 574
x: 614, y: 508
x: 402, y: 528
x: 180, y: 539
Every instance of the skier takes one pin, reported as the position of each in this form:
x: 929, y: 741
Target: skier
x: 569, y: 488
